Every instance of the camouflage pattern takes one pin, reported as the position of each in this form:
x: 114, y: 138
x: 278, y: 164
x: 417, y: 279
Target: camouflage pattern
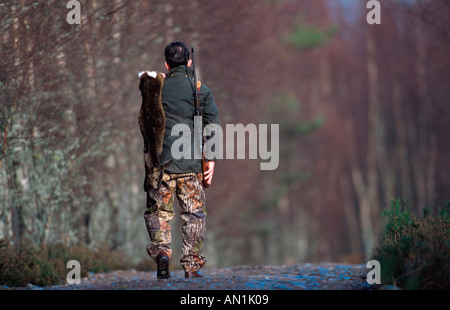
x: 190, y: 194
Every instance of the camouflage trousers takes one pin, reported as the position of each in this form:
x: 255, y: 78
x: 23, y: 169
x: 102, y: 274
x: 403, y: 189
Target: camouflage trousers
x: 191, y: 196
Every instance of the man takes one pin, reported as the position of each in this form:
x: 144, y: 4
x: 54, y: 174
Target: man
x: 182, y: 177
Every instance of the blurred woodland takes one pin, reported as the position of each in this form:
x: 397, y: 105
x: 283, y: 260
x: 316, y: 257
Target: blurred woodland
x: 363, y: 111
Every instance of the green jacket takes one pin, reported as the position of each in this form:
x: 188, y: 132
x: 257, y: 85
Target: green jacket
x: 178, y: 103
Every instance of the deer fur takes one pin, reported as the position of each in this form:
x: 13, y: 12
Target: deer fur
x: 152, y: 123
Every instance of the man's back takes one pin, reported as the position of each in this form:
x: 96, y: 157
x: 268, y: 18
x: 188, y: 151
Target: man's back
x: 179, y: 108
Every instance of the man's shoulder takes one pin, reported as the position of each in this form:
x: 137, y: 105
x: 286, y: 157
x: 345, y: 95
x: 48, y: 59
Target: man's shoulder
x: 175, y: 83
x: 203, y: 89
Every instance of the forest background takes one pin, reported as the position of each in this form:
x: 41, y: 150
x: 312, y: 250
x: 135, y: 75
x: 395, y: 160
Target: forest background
x: 363, y: 114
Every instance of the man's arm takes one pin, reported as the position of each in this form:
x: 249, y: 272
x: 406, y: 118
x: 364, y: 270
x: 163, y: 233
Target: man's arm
x: 210, y: 112
x: 210, y: 115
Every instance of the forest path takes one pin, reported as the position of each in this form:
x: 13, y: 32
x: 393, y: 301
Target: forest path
x: 325, y: 276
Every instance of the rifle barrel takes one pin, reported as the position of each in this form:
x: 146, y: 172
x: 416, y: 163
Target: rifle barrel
x: 197, y: 103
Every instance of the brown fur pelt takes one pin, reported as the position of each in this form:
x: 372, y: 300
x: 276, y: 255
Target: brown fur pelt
x: 152, y: 122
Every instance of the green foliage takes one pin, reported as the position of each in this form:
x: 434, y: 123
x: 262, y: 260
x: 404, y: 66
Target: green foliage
x: 286, y: 110
x: 415, y: 253
x: 307, y: 36
x: 28, y: 266
x: 47, y: 265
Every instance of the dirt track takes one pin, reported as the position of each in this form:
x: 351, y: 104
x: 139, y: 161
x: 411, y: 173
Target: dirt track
x: 295, y: 277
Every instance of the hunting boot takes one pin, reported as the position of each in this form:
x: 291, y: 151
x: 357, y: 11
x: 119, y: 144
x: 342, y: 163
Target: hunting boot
x: 193, y: 274
x: 162, y: 262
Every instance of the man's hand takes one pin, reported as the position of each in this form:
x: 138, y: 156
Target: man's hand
x: 208, y: 174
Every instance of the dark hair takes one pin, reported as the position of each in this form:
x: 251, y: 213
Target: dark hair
x: 177, y: 54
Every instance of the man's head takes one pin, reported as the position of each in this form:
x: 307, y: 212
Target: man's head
x: 176, y: 54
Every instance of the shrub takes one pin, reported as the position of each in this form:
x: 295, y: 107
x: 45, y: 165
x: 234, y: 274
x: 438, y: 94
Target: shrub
x: 28, y: 266
x: 415, y: 252
x: 47, y: 265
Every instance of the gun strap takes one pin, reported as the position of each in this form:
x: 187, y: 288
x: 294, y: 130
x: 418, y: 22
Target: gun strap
x: 196, y: 98
x: 199, y: 84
